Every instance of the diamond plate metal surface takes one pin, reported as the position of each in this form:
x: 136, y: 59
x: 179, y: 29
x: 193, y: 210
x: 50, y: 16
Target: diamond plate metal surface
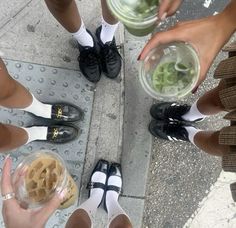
x: 50, y: 85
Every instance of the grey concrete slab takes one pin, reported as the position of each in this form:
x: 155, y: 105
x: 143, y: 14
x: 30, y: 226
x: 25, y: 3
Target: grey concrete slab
x: 137, y: 140
x: 30, y: 33
x: 50, y: 84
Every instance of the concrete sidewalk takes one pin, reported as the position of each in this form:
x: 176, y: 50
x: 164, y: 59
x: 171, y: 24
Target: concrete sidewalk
x: 175, y: 187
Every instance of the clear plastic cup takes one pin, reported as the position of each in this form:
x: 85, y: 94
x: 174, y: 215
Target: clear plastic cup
x: 139, y: 17
x: 40, y: 176
x: 170, y: 72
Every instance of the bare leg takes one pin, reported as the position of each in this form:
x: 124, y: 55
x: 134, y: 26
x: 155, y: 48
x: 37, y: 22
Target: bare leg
x: 209, y: 103
x: 11, y: 137
x: 106, y: 13
x: 208, y: 141
x: 12, y: 93
x: 66, y: 12
x: 121, y: 221
x: 79, y: 219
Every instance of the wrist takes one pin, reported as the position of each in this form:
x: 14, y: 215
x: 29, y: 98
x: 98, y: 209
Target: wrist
x: 228, y: 17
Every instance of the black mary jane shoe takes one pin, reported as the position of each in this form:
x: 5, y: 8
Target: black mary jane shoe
x: 62, y: 133
x: 115, y: 170
x: 101, y: 166
x: 65, y: 112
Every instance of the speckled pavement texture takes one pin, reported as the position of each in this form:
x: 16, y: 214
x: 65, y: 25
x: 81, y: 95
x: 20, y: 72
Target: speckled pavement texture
x: 183, y: 180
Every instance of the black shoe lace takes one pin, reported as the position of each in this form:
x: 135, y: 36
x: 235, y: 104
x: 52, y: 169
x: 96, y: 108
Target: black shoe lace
x: 110, y: 51
x: 176, y: 112
x: 175, y: 130
x: 89, y: 56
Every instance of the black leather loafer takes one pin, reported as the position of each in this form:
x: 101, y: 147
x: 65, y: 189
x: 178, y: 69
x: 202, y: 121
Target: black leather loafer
x: 62, y: 133
x: 64, y: 112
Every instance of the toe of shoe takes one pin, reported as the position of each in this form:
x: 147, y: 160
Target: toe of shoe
x: 115, y: 170
x: 75, y: 113
x: 157, y: 110
x: 102, y: 166
x: 156, y: 129
x: 66, y: 112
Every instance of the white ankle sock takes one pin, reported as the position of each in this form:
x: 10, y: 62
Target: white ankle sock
x: 96, y: 195
x: 36, y: 133
x: 108, y: 31
x: 83, y: 37
x: 193, y: 113
x: 113, y: 207
x: 192, y: 131
x: 39, y: 109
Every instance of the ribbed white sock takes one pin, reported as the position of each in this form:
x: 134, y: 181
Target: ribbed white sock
x: 193, y: 113
x: 113, y: 207
x: 36, y: 133
x: 108, y: 31
x: 96, y: 195
x: 39, y: 109
x: 83, y: 37
x: 192, y: 131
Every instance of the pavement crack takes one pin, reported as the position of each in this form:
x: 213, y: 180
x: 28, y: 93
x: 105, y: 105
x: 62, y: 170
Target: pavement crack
x: 134, y: 197
x: 18, y: 12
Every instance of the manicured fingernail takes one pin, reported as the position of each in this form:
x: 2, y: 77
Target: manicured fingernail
x: 195, y: 90
x: 163, y: 17
x: 62, y: 194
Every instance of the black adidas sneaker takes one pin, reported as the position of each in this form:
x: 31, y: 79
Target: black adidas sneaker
x: 170, y: 111
x: 172, y: 131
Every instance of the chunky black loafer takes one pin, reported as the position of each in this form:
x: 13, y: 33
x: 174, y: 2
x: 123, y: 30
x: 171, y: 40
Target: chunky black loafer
x: 89, y: 61
x: 65, y: 112
x: 62, y: 133
x: 110, y: 57
x: 101, y: 166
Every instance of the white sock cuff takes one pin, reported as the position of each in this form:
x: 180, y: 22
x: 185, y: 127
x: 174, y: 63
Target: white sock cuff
x: 38, y: 108
x: 36, y: 133
x: 106, y: 23
x: 192, y: 131
x: 193, y: 113
x: 81, y: 29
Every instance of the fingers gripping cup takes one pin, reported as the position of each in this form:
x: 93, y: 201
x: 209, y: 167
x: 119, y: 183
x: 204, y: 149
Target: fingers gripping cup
x: 40, y: 176
x: 139, y: 17
x: 170, y: 72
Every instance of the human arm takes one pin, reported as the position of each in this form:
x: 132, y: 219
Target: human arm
x: 207, y: 36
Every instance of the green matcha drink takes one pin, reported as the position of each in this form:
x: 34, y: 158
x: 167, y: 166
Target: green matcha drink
x: 139, y: 17
x: 170, y: 72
